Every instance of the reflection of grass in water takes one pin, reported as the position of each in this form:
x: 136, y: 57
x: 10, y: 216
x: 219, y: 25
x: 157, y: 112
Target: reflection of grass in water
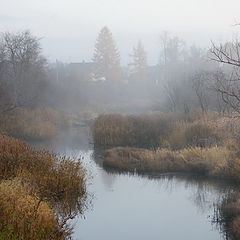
x: 227, y: 215
x: 206, y: 145
x: 206, y: 195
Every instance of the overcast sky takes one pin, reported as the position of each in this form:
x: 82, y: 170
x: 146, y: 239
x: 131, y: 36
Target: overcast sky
x: 69, y: 27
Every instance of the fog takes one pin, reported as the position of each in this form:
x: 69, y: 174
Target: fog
x: 143, y: 87
x: 118, y: 56
x: 69, y: 28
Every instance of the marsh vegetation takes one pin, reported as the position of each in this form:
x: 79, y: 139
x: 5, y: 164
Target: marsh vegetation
x: 205, y: 144
x: 39, y: 192
x: 171, y: 116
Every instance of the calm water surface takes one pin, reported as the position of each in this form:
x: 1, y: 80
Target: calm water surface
x: 128, y: 207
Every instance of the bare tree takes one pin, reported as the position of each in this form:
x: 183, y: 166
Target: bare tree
x: 22, y: 68
x: 228, y: 83
x: 200, y: 85
x: 171, y: 92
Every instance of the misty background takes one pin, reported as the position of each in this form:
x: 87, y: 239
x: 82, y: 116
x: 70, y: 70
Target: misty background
x: 159, y: 75
x: 68, y: 28
x: 125, y: 57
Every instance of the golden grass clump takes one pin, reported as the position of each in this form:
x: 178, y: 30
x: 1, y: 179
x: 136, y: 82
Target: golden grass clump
x: 213, y: 162
x: 23, y: 216
x: 58, y: 180
x: 53, y: 177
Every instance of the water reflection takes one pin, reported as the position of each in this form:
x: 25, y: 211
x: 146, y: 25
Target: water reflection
x: 129, y: 206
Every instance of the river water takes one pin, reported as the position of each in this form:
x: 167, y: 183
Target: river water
x: 129, y: 207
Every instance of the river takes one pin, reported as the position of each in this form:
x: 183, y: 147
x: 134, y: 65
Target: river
x: 128, y: 206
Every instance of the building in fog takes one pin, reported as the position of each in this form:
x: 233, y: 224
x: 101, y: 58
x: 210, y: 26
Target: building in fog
x: 83, y: 71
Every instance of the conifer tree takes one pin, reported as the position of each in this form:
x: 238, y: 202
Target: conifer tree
x: 138, y: 66
x: 106, y: 57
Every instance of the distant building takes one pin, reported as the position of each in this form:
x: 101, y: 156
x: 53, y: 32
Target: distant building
x: 83, y: 71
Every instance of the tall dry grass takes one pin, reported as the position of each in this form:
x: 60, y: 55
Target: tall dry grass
x: 212, y: 162
x: 157, y: 131
x: 23, y: 216
x: 49, y: 178
x: 148, y: 130
x: 52, y: 176
x: 33, y: 124
x: 206, y: 144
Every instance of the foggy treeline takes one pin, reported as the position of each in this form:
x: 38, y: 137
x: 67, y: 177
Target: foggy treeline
x: 184, y: 78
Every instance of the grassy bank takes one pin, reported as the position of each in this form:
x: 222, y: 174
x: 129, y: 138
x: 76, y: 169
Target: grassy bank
x: 211, y: 162
x: 33, y: 124
x: 205, y: 144
x: 168, y: 142
x: 35, y: 187
x: 158, y: 130
x: 132, y: 131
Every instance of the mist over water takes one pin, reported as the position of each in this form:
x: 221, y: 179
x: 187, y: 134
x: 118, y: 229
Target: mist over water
x: 138, y: 207
x: 150, y: 87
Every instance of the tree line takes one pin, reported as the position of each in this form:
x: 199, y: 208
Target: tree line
x: 183, y: 79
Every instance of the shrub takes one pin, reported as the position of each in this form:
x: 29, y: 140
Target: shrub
x: 53, y: 177
x: 40, y: 175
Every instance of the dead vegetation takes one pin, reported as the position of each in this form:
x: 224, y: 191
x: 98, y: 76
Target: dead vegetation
x: 158, y: 130
x: 148, y: 131
x: 33, y: 124
x: 35, y: 187
x: 205, y: 144
x: 212, y: 162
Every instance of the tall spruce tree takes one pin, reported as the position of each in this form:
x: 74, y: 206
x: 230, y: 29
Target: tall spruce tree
x: 138, y: 66
x: 106, y: 57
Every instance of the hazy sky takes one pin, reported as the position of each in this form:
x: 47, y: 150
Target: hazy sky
x: 69, y: 27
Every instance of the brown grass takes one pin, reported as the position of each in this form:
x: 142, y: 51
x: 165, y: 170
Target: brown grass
x: 213, y: 162
x: 57, y: 180
x: 158, y: 131
x: 34, y: 124
x: 148, y: 130
x: 53, y: 176
x: 198, y: 144
x: 23, y: 216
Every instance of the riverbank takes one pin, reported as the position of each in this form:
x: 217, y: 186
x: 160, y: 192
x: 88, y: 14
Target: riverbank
x: 206, y: 144
x: 212, y: 162
x: 33, y: 124
x: 39, y: 192
x: 216, y: 162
